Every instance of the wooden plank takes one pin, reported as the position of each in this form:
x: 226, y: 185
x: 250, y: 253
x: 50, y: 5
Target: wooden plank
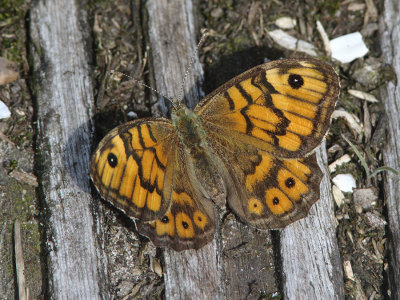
x: 64, y: 92
x: 390, y: 95
x: 237, y: 264
x: 311, y: 263
x: 189, y: 274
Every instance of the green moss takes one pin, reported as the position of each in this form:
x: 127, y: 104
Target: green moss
x: 11, y: 9
x: 235, y: 45
x: 330, y: 6
x: 19, y: 204
x: 12, y: 12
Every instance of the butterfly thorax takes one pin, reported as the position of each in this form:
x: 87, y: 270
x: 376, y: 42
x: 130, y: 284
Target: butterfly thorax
x: 189, y: 129
x: 202, y: 167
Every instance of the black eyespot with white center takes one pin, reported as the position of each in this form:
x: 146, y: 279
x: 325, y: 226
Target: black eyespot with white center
x: 290, y: 182
x: 165, y: 219
x: 185, y: 225
x: 295, y: 81
x: 112, y: 160
x: 275, y: 201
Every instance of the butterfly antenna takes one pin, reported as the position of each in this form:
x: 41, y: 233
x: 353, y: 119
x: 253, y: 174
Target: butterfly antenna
x: 145, y: 85
x: 205, y: 33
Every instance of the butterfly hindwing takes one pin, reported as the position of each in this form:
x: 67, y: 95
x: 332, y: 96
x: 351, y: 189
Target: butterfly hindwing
x: 279, y: 192
x: 190, y: 221
x: 266, y: 191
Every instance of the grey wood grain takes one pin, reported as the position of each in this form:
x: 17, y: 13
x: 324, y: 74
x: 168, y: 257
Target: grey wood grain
x: 76, y: 263
x: 311, y: 263
x: 189, y: 274
x: 390, y: 40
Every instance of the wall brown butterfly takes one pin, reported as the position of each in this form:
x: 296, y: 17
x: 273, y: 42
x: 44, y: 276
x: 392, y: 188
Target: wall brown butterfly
x: 248, y: 144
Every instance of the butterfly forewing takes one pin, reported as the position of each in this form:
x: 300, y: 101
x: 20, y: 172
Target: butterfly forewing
x: 282, y: 107
x: 132, y: 167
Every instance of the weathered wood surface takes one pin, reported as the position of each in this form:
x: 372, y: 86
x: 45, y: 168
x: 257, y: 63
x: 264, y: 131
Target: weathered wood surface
x: 188, y: 274
x: 390, y: 41
x: 64, y: 93
x: 311, y: 261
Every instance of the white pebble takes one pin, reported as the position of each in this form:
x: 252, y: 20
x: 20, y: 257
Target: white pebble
x: 285, y: 23
x: 363, y: 95
x: 132, y: 115
x: 347, y: 48
x: 289, y: 42
x: 345, y: 182
x: 4, y: 111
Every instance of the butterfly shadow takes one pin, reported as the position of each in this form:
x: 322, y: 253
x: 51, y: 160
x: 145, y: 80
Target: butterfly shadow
x: 229, y: 66
x: 76, y: 161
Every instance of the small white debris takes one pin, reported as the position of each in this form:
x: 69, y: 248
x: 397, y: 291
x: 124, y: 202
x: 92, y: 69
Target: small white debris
x: 19, y: 112
x: 347, y: 48
x: 342, y: 160
x: 363, y: 95
x: 337, y: 196
x: 345, y: 182
x: 348, y: 270
x: 335, y: 148
x: 4, y: 111
x: 156, y: 266
x: 287, y: 41
x: 325, y: 38
x: 351, y: 120
x: 356, y: 7
x: 285, y: 23
x: 132, y: 115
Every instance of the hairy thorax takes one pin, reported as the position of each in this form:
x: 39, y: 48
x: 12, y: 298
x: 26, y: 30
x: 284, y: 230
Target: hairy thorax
x: 203, y: 165
x: 189, y: 130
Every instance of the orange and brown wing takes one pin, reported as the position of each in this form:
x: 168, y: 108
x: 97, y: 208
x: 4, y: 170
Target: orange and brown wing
x: 264, y: 124
x: 283, y: 107
x: 133, y: 165
x: 190, y: 221
x: 279, y: 192
x: 263, y: 190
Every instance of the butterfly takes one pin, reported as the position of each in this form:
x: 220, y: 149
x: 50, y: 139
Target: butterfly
x: 248, y: 144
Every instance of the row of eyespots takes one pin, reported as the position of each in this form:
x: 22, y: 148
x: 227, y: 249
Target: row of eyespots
x: 182, y: 223
x: 279, y: 200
